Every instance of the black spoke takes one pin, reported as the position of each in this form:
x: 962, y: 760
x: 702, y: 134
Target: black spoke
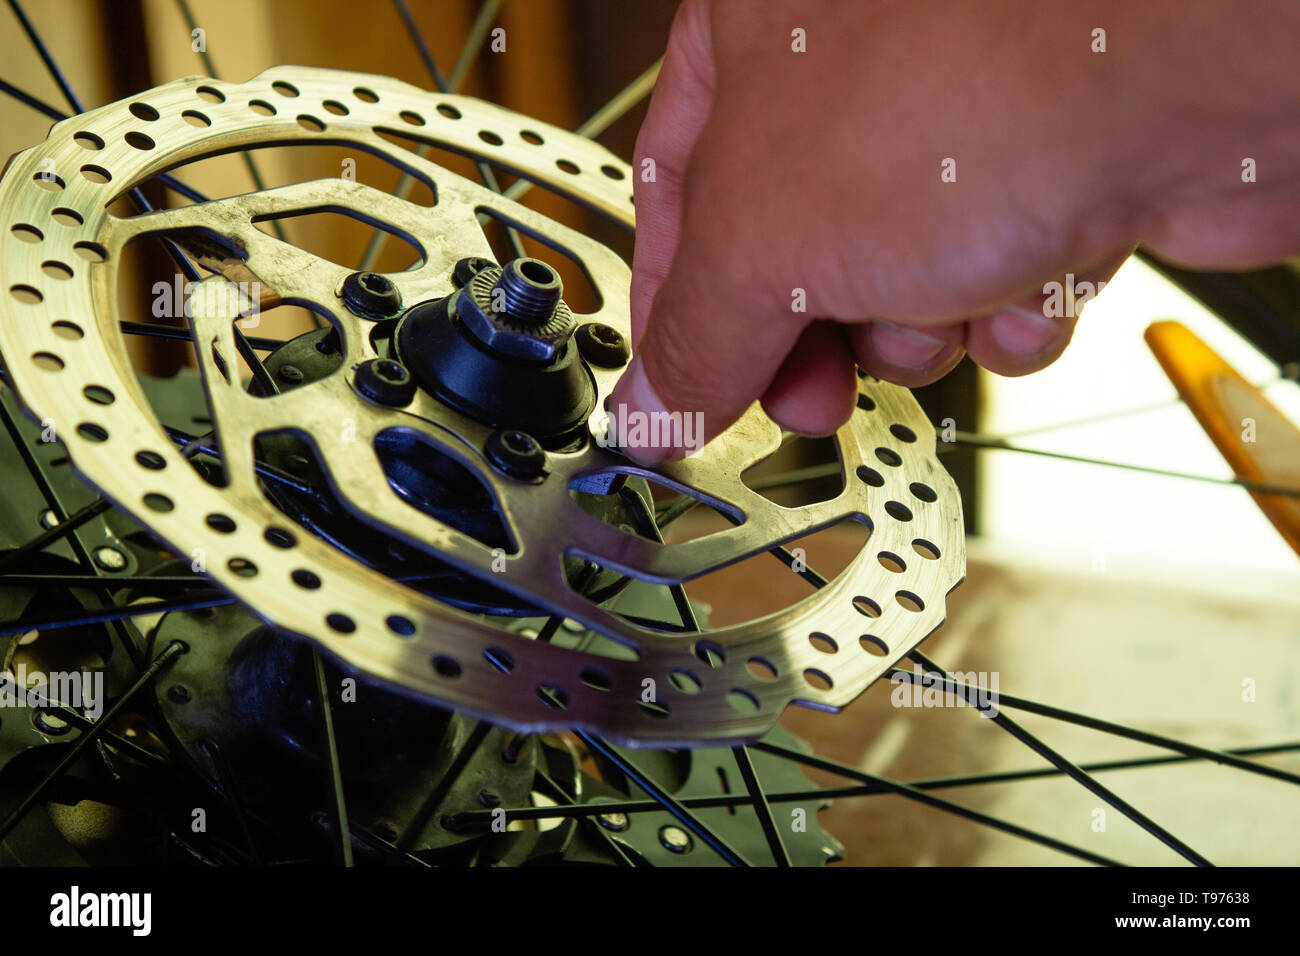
x: 485, y: 171
x: 966, y: 692
x: 439, y: 793
x: 174, y: 650
x: 185, y: 335
x: 60, y: 514
x: 331, y: 746
x: 57, y: 533
x: 51, y: 622
x: 1089, y: 783
x: 759, y: 803
x: 920, y: 796
x: 48, y: 60
x: 469, y: 819
x: 995, y: 443
x: 663, y: 798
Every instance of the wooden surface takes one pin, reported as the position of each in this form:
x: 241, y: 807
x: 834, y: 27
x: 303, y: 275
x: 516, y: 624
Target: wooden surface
x: 1168, y: 655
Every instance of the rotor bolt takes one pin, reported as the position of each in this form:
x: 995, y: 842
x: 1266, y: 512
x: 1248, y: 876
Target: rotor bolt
x: 386, y: 382
x: 291, y: 374
x: 468, y: 268
x: 48, y: 519
x: 602, y: 345
x: 613, y: 821
x: 516, y: 453
x: 675, y: 839
x: 370, y: 295
x: 109, y: 558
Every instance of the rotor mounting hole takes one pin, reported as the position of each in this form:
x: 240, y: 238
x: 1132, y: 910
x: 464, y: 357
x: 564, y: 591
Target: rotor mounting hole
x: 873, y: 645
x: 898, y: 511
x: 99, y: 394
x: 242, y: 567
x: 818, y: 680
x: 866, y: 607
x: 340, y: 623
x: 742, y: 701
x: 400, y: 625
x: 710, y: 653
x: 552, y: 695
x: 307, y: 580
x: 891, y: 562
x: 685, y: 681
x: 926, y: 549
x: 220, y: 523
x: 156, y: 501
x: 500, y: 658
x: 909, y: 601
x: 823, y: 642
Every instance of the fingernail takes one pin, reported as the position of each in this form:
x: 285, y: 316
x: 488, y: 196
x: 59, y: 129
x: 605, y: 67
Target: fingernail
x: 632, y: 406
x: 1024, y: 332
x: 903, y: 346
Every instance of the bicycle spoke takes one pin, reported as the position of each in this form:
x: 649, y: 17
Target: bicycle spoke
x: 1082, y: 778
x: 173, y: 650
x: 938, y: 803
x: 184, y: 335
x: 439, y: 793
x: 334, y: 778
x: 966, y: 692
x: 210, y: 68
x: 761, y: 808
x: 52, y: 622
x: 469, y: 819
x: 48, y: 60
x: 226, y: 779
x: 999, y: 444
x: 56, y: 533
x: 663, y: 798
x: 443, y: 85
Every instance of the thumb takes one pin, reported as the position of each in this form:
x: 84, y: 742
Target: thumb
x: 717, y: 332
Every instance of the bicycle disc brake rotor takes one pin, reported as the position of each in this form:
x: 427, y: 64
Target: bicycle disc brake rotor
x: 66, y: 358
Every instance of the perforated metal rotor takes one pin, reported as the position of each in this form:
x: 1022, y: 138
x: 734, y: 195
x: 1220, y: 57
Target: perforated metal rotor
x: 64, y: 352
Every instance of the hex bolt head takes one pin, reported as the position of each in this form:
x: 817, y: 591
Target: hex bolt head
x: 109, y: 558
x: 386, y: 382
x: 516, y: 453
x: 291, y: 374
x: 370, y: 295
x: 602, y: 345
x: 617, y: 822
x: 468, y: 268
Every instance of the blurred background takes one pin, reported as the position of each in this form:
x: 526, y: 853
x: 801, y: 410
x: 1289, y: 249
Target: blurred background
x: 1138, y: 597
